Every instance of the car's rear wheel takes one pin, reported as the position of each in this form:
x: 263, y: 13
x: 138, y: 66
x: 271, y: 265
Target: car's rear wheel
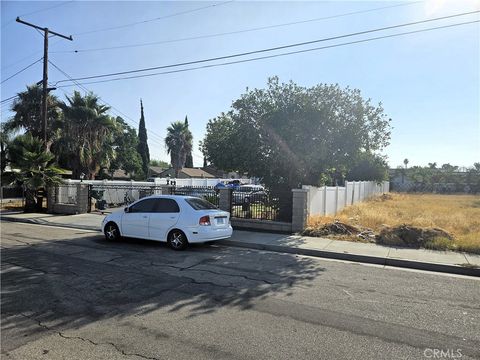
x: 177, y: 240
x: 112, y: 233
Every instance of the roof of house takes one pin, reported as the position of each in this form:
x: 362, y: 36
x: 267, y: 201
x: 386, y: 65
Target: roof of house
x: 189, y: 172
x: 196, y: 173
x: 120, y: 174
x: 156, y: 169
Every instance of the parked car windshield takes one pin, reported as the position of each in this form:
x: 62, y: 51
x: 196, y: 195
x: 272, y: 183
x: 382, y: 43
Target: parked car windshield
x: 200, y: 204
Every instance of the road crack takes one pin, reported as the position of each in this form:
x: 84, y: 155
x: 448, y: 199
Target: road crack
x: 62, y: 335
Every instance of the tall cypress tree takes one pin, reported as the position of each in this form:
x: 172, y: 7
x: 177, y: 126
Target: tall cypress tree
x: 189, y: 158
x: 142, y: 142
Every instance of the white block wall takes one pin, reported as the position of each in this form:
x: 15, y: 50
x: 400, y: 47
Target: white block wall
x: 329, y: 200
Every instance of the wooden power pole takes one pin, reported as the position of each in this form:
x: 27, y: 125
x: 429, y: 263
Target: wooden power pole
x: 45, y: 89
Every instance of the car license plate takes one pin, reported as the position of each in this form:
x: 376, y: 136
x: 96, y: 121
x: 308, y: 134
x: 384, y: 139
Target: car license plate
x: 221, y: 221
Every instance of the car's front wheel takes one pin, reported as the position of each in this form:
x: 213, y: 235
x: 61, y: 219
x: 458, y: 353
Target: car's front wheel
x: 112, y: 233
x: 177, y: 240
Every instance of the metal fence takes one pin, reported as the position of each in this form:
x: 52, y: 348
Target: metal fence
x: 206, y: 192
x: 103, y: 196
x: 262, y: 205
x: 10, y: 192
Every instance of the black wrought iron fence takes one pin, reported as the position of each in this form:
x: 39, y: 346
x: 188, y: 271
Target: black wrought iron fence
x: 208, y: 193
x: 262, y: 205
x: 12, y: 192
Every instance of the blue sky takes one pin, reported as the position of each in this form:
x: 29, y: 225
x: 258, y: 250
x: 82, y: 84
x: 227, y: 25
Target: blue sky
x: 427, y: 82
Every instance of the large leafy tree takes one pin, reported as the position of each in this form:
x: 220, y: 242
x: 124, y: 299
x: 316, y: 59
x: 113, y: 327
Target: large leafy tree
x: 36, y: 168
x: 178, y: 143
x: 369, y: 167
x: 87, y: 135
x: 125, y: 144
x: 142, y: 142
x: 28, y: 114
x: 287, y: 134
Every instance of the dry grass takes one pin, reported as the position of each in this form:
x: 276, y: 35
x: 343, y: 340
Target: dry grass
x: 457, y: 214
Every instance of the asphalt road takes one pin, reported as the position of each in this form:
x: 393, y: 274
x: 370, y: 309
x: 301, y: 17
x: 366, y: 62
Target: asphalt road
x: 69, y: 294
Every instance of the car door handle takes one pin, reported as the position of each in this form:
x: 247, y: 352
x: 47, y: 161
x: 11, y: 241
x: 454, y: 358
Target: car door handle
x: 172, y: 217
x: 145, y: 217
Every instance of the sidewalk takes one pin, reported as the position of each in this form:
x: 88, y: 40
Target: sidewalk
x: 441, y: 261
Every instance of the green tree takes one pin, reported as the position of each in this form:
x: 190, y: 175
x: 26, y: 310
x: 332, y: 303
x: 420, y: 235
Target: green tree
x: 87, y: 135
x: 28, y: 114
x: 189, y: 157
x: 125, y: 144
x: 369, y: 167
x: 36, y: 167
x: 142, y: 142
x: 178, y: 143
x: 159, y: 163
x: 287, y: 134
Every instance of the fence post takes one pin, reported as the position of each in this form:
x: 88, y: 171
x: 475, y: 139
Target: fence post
x: 336, y: 200
x: 167, y: 189
x: 225, y: 200
x: 300, y: 209
x: 50, y: 198
x: 82, y: 198
x: 325, y: 200
x: 346, y: 194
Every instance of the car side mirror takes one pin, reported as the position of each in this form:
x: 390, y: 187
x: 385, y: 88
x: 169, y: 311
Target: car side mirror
x: 126, y: 209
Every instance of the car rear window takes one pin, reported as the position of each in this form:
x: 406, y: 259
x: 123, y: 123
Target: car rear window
x: 200, y: 204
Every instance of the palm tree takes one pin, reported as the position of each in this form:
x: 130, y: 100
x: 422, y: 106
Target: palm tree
x: 36, y: 168
x: 28, y: 114
x: 88, y: 134
x: 178, y: 143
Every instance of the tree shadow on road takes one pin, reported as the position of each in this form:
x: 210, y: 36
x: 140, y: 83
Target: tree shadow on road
x: 70, y: 283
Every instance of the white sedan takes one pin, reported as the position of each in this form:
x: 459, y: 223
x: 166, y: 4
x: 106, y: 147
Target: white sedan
x: 178, y: 220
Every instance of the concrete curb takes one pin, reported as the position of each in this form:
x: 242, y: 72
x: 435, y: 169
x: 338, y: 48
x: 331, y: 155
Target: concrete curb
x: 47, y: 223
x: 410, y: 264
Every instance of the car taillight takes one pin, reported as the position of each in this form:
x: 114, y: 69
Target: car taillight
x: 204, y: 220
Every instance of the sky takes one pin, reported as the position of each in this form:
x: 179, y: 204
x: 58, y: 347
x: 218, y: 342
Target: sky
x: 428, y: 82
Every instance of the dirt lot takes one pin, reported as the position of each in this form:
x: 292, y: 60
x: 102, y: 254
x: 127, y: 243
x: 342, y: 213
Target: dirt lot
x: 458, y: 215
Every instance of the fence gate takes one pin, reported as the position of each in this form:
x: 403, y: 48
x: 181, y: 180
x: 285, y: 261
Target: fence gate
x: 262, y: 205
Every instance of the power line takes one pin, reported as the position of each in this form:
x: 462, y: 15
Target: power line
x: 106, y: 103
x: 257, y: 51
x: 37, y: 11
x: 48, y: 8
x: 236, y: 32
x: 10, y: 98
x: 277, y: 55
x: 154, y: 19
x: 18, y: 72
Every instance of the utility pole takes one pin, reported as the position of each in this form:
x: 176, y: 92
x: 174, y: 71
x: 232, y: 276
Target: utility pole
x: 45, y: 88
